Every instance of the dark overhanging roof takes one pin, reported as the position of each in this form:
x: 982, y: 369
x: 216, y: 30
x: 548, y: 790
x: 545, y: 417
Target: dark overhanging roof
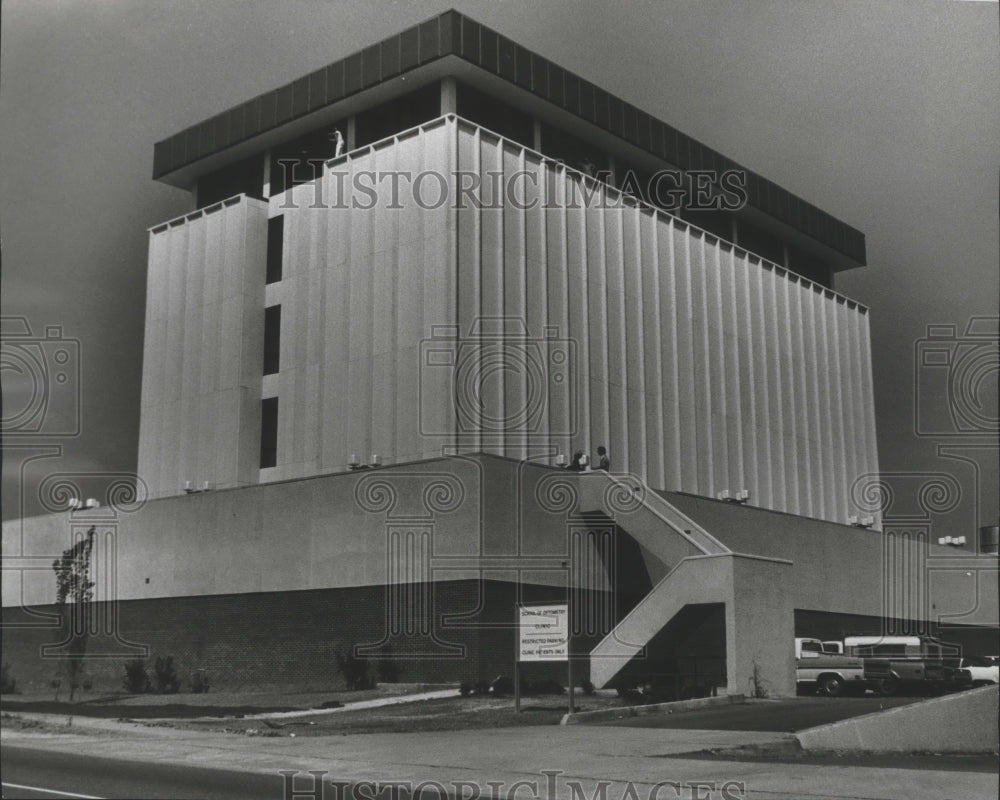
x: 454, y: 34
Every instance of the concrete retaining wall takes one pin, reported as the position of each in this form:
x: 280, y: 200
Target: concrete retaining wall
x: 957, y: 723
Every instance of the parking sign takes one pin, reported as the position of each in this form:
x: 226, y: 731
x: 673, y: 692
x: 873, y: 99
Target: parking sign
x: 543, y: 633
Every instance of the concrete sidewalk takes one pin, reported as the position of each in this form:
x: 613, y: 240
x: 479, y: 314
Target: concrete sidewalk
x: 587, y: 755
x: 375, y: 702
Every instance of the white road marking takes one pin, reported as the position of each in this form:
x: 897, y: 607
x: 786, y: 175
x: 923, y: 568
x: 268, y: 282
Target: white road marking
x: 51, y: 791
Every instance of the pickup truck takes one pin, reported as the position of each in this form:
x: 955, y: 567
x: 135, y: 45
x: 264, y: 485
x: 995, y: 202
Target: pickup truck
x: 819, y: 666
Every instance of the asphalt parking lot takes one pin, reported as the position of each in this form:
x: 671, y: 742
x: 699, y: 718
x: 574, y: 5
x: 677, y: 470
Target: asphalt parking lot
x: 786, y: 715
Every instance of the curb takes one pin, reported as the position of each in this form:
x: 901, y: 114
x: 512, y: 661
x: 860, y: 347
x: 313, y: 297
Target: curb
x: 625, y: 712
x: 378, y: 702
x: 356, y: 705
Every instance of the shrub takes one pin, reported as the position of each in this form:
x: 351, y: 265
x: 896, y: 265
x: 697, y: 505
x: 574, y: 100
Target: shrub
x: 465, y: 688
x: 547, y: 686
x: 355, y: 671
x: 388, y: 670
x: 481, y: 687
x: 659, y: 690
x: 7, y: 683
x: 692, y: 690
x: 630, y: 693
x: 199, y: 681
x: 136, y: 678
x: 587, y: 687
x: 167, y: 681
x: 502, y: 686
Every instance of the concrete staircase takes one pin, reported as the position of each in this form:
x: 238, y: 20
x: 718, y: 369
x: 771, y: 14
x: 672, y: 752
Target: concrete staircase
x: 697, y: 579
x: 696, y: 573
x: 649, y: 518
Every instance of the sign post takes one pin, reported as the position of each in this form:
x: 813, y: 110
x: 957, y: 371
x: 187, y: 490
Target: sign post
x: 543, y: 635
x: 569, y: 675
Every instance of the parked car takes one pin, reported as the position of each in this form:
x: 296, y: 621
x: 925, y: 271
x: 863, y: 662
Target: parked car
x: 976, y: 671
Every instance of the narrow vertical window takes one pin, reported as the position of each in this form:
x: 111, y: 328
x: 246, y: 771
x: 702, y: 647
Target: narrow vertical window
x: 268, y: 432
x: 272, y: 339
x: 275, y: 244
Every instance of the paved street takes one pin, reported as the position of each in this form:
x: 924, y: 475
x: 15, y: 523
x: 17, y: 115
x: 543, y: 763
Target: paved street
x: 46, y: 774
x: 164, y: 762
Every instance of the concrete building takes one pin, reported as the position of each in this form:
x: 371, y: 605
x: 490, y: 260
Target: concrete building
x: 376, y: 362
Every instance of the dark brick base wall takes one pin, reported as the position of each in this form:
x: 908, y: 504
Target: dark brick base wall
x: 291, y: 639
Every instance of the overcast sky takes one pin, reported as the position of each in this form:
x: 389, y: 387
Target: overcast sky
x: 886, y: 114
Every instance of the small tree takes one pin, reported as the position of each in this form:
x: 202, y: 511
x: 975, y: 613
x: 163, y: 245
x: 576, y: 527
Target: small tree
x: 136, y: 678
x: 167, y: 681
x: 355, y: 670
x: 7, y: 683
x: 74, y: 593
x: 758, y: 686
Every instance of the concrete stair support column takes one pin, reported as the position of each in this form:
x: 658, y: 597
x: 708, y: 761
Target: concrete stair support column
x: 759, y: 628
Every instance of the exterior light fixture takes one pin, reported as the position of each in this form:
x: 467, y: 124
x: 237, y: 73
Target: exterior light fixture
x: 740, y: 498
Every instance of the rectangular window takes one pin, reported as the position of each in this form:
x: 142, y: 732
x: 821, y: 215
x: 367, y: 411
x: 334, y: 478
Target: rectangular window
x: 575, y: 153
x: 244, y: 177
x: 879, y: 650
x: 718, y: 223
x: 493, y: 115
x: 268, y: 432
x: 397, y: 115
x: 760, y: 242
x: 272, y: 339
x: 889, y: 650
x: 275, y: 246
x: 301, y: 160
x: 809, y: 267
